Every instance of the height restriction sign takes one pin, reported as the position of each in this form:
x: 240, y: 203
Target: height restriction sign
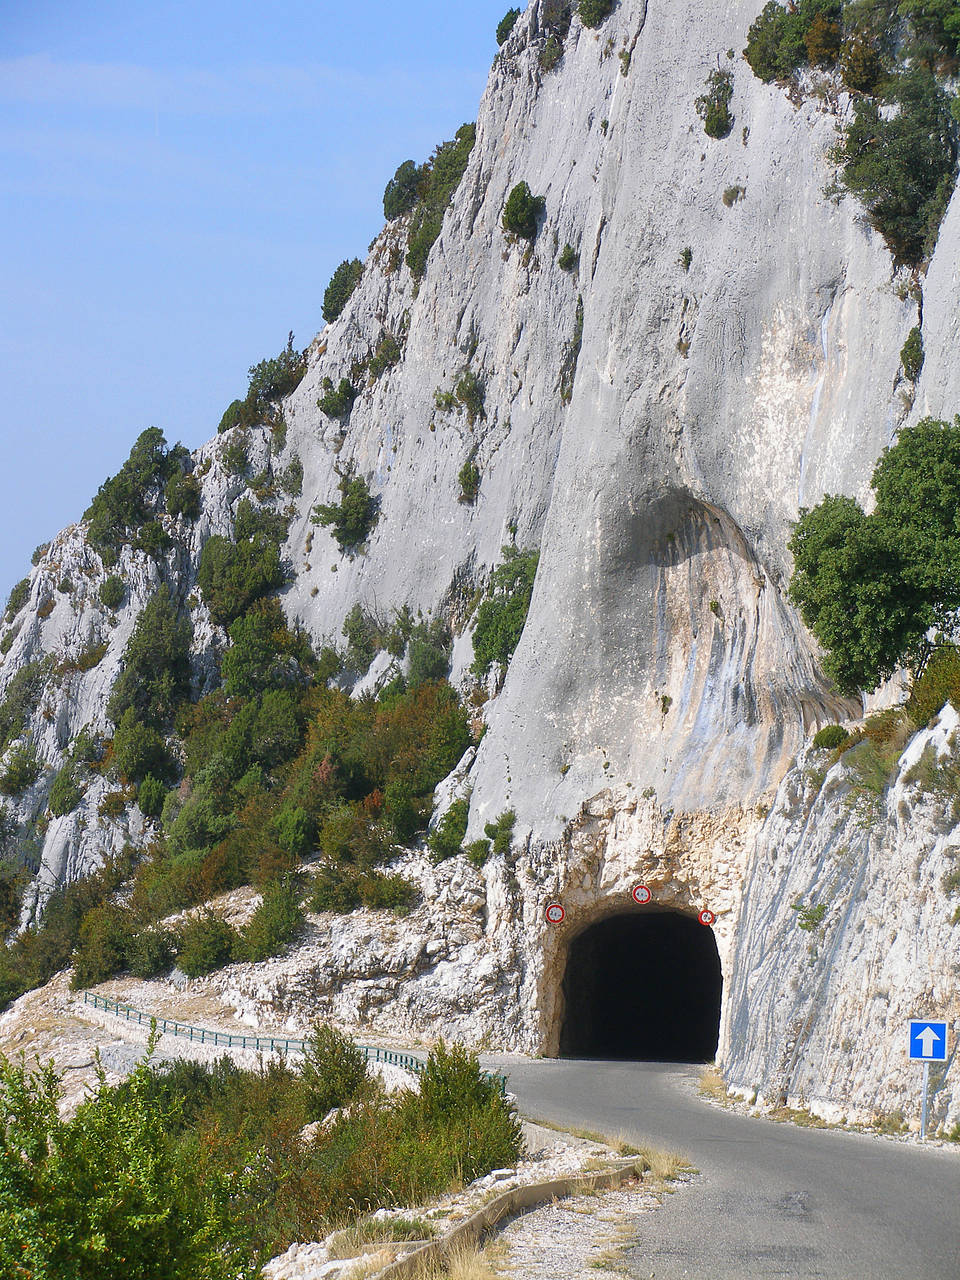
x: 641, y: 894
x: 555, y: 913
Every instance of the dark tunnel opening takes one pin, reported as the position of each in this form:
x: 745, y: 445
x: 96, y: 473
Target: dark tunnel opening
x: 642, y: 985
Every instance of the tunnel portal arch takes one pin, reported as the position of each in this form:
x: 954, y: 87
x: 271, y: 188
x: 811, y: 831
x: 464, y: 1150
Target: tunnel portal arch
x: 642, y: 985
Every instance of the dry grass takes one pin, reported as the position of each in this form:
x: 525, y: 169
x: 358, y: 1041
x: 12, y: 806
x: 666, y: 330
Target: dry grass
x: 369, y: 1232
x: 712, y: 1085
x: 463, y: 1264
x: 665, y: 1166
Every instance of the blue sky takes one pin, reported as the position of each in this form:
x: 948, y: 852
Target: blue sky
x: 177, y: 183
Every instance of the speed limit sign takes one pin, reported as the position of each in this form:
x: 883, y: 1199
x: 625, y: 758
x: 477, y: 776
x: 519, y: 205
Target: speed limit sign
x: 555, y: 913
x: 706, y: 917
x: 641, y: 894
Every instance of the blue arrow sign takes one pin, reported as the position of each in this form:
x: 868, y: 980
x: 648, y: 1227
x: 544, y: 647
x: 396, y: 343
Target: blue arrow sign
x: 928, y: 1040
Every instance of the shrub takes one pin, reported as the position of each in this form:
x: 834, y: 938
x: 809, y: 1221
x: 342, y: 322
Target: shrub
x: 733, y: 195
x: 387, y: 354
x: 334, y: 889
x: 155, y: 677
x: 501, y: 616
x: 272, y: 380
x: 112, y: 591
x: 500, y: 831
x: 21, y: 769
x: 342, y: 283
x: 379, y: 892
x: 400, y: 193
x: 860, y: 65
x: 911, y: 354
x: 830, y: 737
x: 232, y: 575
x: 127, y: 501
x: 204, y: 943
x: 593, y: 12
x: 441, y: 177
x: 429, y: 657
x: 334, y: 1070
x: 822, y: 42
x: 151, y: 794
x: 522, y: 212
x: 469, y: 478
x: 182, y: 495
x: 106, y: 1194
x: 18, y: 597
x: 39, y: 553
x: 469, y: 394
x: 353, y: 517
x: 291, y: 481
x: 568, y: 259
x: 6, y: 644
x: 902, y: 166
x: 337, y: 403
x: 555, y: 16
x: 686, y: 257
x: 139, y: 749
x: 776, y: 41
x: 551, y: 53
x: 102, y: 946
x: 506, y: 25
x: 150, y: 952
x: 870, y: 587
x: 235, y: 454
x: 66, y: 792
x: 275, y: 924
x: 446, y: 838
x: 713, y: 106
x: 938, y: 685
x: 21, y: 698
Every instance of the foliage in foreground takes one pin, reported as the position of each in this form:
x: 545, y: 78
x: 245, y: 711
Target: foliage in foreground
x: 198, y: 1172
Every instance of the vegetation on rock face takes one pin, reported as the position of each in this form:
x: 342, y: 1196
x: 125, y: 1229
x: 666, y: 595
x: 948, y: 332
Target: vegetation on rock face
x: 269, y: 382
x: 156, y: 664
x: 126, y: 506
x: 871, y: 587
x: 18, y: 597
x: 506, y: 25
x: 342, y: 284
x: 523, y: 211
x: 911, y: 355
x: 112, y: 591
x: 593, y: 12
x: 232, y: 575
x: 400, y: 193
x: 898, y: 153
x: 353, y: 516
x: 337, y: 403
x: 713, y: 106
x: 501, y: 616
x: 438, y: 179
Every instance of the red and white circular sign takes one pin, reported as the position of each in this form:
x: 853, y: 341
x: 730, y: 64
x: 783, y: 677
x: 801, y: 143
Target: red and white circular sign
x: 706, y: 917
x: 641, y: 894
x: 555, y: 913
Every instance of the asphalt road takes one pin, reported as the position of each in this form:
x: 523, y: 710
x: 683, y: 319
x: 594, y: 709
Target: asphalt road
x: 773, y: 1200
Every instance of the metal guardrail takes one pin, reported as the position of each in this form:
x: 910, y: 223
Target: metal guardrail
x: 260, y: 1044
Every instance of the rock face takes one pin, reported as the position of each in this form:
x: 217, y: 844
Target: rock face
x: 653, y: 429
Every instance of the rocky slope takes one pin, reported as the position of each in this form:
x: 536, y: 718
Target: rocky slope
x: 654, y: 431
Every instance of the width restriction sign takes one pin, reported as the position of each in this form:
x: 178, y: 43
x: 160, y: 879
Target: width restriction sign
x: 555, y: 913
x: 641, y: 894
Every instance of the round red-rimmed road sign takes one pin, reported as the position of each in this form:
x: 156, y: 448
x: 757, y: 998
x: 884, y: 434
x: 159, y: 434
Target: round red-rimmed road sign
x: 641, y: 894
x: 706, y: 917
x: 555, y: 913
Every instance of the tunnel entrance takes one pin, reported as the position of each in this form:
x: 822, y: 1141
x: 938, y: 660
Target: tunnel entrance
x: 642, y: 985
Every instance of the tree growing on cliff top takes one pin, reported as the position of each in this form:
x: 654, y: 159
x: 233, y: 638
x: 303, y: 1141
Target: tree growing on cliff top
x: 871, y: 587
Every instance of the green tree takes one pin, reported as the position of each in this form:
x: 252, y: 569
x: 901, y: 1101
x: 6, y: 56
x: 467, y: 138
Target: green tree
x: 506, y: 25
x: 233, y: 575
x: 441, y: 177
x: 713, y: 106
x: 871, y: 587
x: 353, y: 516
x: 156, y: 664
x: 501, y: 616
x: 400, y: 194
x: 522, y: 212
x: 593, y: 12
x: 66, y: 792
x: 139, y: 749
x: 342, y: 283
x: 112, y: 591
x: 911, y: 354
x: 902, y: 166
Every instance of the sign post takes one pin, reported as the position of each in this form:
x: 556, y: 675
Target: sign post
x: 928, y: 1043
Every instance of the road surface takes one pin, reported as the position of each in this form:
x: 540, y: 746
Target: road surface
x: 773, y: 1200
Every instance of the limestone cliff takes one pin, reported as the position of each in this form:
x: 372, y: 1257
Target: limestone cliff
x: 653, y: 430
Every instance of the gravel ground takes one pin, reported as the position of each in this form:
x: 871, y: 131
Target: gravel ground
x: 575, y: 1238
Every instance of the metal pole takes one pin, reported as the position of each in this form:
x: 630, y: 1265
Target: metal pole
x: 923, y: 1105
